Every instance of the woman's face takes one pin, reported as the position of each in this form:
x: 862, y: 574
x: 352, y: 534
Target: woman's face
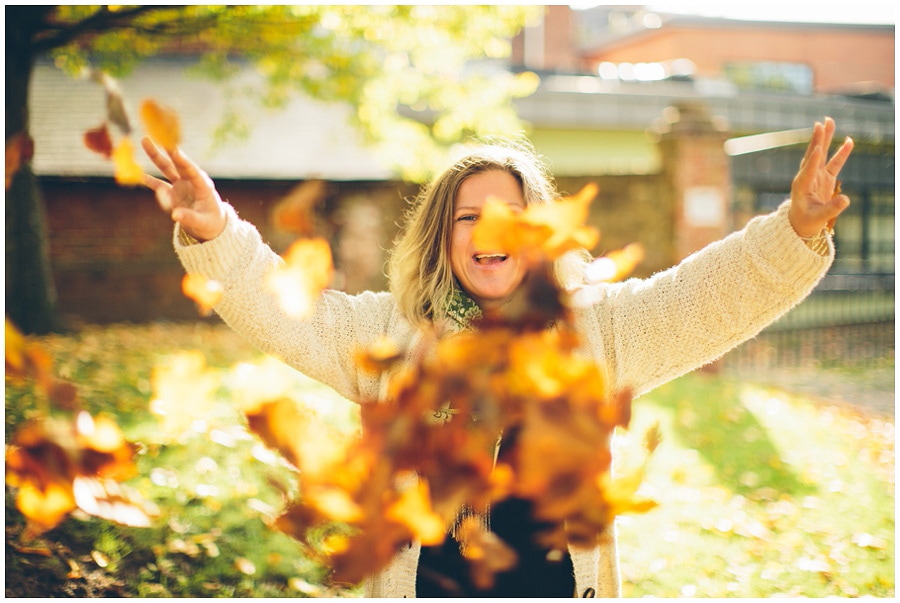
x: 488, y: 276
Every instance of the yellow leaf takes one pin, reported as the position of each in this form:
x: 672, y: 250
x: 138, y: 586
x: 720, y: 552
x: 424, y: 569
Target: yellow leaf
x: 127, y: 170
x: 205, y: 292
x: 334, y: 503
x: 616, y: 264
x: 161, y: 124
x: 413, y: 509
x: 621, y: 493
x: 541, y: 231
x: 45, y: 507
x: 306, y: 272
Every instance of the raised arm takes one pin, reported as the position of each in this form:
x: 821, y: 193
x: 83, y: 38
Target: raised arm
x: 231, y: 251
x: 651, y: 331
x: 814, y: 204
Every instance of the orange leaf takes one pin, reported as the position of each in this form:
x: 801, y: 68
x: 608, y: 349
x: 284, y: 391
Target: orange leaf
x: 204, y: 291
x: 45, y: 507
x: 620, y: 493
x: 298, y: 434
x: 128, y: 172
x: 19, y: 149
x: 295, y: 211
x: 307, y: 271
x: 413, y: 509
x: 379, y: 356
x: 99, y: 141
x: 615, y: 265
x: 334, y: 503
x: 541, y: 231
x: 161, y: 124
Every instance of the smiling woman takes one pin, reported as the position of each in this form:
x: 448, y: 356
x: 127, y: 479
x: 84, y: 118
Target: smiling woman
x: 642, y: 332
x: 488, y: 276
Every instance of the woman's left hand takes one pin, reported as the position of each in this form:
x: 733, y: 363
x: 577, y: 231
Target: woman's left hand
x: 814, y: 204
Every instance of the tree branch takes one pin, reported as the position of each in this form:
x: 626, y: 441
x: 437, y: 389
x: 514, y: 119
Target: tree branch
x: 106, y: 20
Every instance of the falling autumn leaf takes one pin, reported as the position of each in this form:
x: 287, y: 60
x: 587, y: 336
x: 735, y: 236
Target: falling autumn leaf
x: 540, y: 231
x: 161, y: 124
x: 489, y: 554
x: 295, y: 212
x: 99, y: 141
x: 205, y: 292
x: 57, y: 465
x: 615, y: 265
x: 115, y: 103
x: 379, y: 356
x: 306, y: 272
x: 297, y: 433
x: 127, y: 170
x: 413, y: 509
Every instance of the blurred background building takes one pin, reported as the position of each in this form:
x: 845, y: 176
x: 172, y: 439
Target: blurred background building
x: 690, y: 125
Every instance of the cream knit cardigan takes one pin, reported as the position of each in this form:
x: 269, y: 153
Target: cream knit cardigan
x: 645, y: 332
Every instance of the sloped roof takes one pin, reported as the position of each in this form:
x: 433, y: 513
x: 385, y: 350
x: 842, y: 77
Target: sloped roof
x: 306, y: 139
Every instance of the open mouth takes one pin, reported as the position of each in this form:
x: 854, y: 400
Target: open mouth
x: 490, y: 258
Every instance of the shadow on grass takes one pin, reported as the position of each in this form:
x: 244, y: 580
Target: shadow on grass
x: 709, y: 417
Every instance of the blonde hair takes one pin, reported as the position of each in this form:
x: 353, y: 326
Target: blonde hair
x: 419, y: 272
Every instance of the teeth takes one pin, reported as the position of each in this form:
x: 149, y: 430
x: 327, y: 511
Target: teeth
x: 490, y: 256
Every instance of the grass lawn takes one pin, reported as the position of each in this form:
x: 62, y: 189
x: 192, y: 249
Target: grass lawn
x: 761, y: 493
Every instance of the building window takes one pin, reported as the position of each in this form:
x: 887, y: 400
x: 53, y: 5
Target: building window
x: 771, y: 76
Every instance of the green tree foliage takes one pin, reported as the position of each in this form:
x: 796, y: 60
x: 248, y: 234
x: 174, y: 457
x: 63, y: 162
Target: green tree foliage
x: 420, y: 79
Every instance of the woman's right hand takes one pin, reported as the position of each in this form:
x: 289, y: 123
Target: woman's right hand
x: 189, y: 196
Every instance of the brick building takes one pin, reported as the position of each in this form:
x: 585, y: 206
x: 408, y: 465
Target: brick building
x: 655, y: 146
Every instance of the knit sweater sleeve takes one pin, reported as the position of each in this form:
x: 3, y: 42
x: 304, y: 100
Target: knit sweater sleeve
x: 650, y: 331
x: 322, y: 346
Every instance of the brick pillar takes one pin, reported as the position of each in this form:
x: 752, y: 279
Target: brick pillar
x: 697, y: 171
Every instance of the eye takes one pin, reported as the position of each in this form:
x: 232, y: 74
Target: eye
x: 467, y: 218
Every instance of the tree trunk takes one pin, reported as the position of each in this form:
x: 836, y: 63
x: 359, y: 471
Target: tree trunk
x: 30, y: 292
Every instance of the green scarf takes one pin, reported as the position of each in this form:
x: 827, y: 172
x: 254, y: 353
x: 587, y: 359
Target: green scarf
x: 462, y: 308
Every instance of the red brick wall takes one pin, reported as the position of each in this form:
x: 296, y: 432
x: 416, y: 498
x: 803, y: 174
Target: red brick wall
x: 111, y: 247
x: 112, y: 257
x: 837, y: 57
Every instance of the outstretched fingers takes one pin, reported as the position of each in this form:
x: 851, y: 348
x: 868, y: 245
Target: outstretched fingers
x: 159, y: 159
x: 837, y: 161
x: 814, y: 143
x: 162, y: 191
x: 188, y: 170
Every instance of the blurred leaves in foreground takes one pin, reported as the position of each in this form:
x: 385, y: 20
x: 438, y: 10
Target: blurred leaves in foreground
x: 218, y: 488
